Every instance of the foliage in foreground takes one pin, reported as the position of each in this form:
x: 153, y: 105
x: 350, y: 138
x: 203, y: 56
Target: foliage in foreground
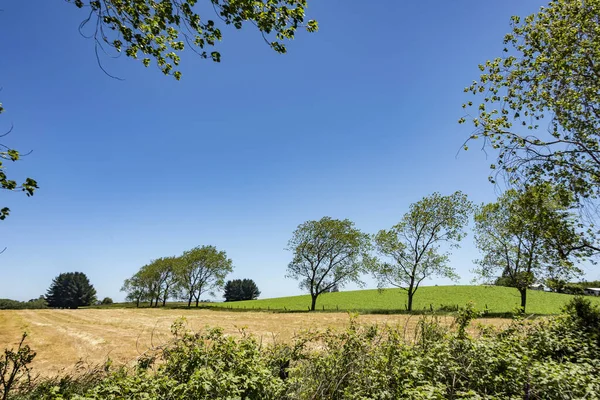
x: 557, y: 358
x: 9, y: 154
x: 159, y: 31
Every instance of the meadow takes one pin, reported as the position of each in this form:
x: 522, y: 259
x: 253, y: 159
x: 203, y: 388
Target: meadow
x: 493, y: 300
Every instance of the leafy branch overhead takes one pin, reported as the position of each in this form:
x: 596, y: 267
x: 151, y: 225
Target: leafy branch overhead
x: 10, y: 154
x: 148, y: 30
x: 538, y: 105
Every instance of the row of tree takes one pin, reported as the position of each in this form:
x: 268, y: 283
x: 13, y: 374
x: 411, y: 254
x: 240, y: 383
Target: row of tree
x: 199, y: 271
x: 526, y: 235
x: 189, y: 276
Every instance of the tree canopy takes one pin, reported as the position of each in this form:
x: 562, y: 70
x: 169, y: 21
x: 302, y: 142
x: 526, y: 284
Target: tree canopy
x: 538, y: 105
x: 412, y: 248
x: 71, y: 290
x: 327, y: 253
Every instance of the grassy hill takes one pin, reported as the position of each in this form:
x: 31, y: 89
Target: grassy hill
x: 494, y: 299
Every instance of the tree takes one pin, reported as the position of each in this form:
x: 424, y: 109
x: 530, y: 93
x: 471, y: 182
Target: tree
x: 524, y: 234
x: 241, y: 289
x: 135, y: 289
x: 540, y: 105
x: 201, y: 270
x: 412, y: 247
x: 71, y: 290
x: 158, y: 277
x: 164, y: 271
x: 162, y: 30
x: 153, y: 282
x: 327, y: 253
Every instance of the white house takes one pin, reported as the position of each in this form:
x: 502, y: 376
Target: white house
x: 537, y: 286
x: 592, y: 291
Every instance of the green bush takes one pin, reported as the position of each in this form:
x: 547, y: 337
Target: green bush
x: 106, y: 301
x: 554, y: 358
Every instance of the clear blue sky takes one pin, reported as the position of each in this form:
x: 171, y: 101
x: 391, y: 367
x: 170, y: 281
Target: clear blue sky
x: 356, y: 121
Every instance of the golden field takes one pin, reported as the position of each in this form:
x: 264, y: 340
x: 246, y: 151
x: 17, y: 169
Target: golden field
x: 63, y: 338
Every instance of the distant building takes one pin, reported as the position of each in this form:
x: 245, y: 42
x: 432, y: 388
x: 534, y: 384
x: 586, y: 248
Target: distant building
x: 592, y: 291
x: 537, y: 286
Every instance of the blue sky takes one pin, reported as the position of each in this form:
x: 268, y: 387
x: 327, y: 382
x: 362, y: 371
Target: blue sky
x: 356, y: 121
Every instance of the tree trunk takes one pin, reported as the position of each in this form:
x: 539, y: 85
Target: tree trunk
x: 151, y: 302
x: 523, y: 298
x: 199, y: 294
x: 411, y: 293
x: 137, y: 303
x: 190, y: 300
x: 166, y: 294
x: 313, y: 303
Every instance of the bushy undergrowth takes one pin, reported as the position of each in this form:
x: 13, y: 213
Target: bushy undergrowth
x: 8, y: 304
x: 556, y: 358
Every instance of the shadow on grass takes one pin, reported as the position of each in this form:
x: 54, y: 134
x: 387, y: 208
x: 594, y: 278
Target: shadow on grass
x: 213, y: 307
x: 484, y: 314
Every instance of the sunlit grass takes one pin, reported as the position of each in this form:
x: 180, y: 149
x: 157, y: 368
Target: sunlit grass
x: 492, y: 299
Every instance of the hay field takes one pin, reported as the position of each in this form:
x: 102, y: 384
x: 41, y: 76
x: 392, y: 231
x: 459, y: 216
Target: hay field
x: 61, y: 338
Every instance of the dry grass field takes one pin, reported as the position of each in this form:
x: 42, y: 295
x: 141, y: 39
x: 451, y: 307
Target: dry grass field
x: 62, y: 338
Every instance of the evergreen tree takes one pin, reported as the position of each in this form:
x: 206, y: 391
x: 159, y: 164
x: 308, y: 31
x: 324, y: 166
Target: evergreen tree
x: 241, y: 289
x: 71, y: 290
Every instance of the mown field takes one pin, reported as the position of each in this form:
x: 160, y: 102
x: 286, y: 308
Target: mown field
x: 63, y: 338
x: 493, y: 299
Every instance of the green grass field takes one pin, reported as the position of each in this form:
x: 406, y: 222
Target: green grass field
x: 496, y: 299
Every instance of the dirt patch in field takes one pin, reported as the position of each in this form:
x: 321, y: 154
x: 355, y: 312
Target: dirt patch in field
x: 63, y: 338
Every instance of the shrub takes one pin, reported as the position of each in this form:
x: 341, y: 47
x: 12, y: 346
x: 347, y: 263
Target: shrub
x: 14, y: 368
x: 583, y: 313
x: 106, y: 301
